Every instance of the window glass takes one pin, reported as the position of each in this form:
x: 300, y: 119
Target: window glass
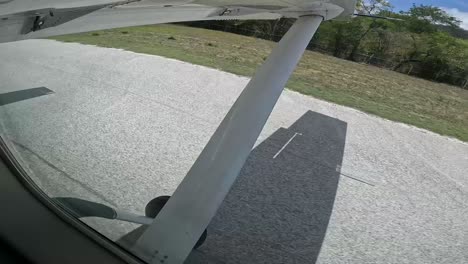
x: 363, y: 159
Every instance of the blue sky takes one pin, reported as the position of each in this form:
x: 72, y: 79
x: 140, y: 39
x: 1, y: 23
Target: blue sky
x: 456, y: 8
x: 461, y: 5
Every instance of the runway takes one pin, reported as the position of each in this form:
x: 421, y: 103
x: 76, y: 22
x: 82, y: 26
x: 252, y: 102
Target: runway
x: 324, y: 183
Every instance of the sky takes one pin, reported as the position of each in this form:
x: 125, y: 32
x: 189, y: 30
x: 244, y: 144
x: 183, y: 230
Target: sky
x: 456, y: 8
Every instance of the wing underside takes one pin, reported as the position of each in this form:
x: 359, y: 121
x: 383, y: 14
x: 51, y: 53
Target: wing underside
x: 22, y: 19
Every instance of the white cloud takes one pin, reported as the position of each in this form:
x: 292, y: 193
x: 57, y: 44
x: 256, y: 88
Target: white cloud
x: 463, y: 16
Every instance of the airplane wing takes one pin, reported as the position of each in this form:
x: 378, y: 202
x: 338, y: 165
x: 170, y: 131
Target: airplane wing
x: 23, y: 19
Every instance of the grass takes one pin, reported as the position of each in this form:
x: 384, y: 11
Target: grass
x: 437, y: 107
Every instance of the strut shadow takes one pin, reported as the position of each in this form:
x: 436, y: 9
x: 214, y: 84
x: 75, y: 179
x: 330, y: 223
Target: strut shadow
x: 21, y: 95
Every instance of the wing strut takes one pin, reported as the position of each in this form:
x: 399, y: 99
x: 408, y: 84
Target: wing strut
x: 176, y: 229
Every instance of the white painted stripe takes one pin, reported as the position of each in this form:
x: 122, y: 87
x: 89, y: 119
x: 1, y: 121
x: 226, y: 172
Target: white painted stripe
x: 285, y: 145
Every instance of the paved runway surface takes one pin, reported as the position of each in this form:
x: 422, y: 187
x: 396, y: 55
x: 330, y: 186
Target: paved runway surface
x: 324, y: 184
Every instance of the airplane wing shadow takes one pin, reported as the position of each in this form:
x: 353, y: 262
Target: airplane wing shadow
x: 279, y: 208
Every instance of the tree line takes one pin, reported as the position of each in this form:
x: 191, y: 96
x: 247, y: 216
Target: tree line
x: 424, y: 41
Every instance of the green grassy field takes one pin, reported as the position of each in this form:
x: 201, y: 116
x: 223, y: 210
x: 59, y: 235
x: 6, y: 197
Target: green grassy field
x: 437, y: 107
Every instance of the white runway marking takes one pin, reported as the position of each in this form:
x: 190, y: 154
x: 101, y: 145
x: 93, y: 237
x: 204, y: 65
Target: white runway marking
x: 285, y: 145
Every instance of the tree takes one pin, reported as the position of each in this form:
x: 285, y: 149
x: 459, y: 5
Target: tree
x: 417, y: 43
x: 361, y: 27
x: 365, y: 27
x: 426, y: 19
x: 372, y: 7
x: 445, y: 58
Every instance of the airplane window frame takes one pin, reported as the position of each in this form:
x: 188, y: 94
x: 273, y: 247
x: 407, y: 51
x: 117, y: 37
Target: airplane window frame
x: 75, y: 241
